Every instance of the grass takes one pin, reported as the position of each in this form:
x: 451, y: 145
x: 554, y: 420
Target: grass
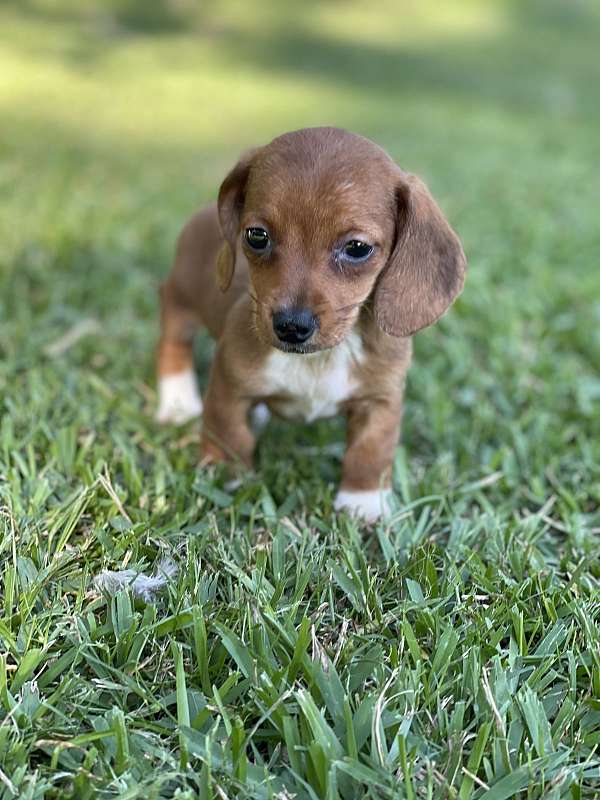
x: 453, y: 653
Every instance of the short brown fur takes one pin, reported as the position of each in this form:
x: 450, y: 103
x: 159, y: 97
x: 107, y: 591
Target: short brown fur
x: 311, y: 189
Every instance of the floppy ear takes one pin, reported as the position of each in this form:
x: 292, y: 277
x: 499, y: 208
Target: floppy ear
x: 426, y: 269
x: 230, y: 206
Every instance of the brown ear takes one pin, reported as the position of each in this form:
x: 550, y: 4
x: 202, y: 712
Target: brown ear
x: 230, y: 205
x: 426, y: 269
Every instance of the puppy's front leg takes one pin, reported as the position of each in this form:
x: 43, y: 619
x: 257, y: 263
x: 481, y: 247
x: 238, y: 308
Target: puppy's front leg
x: 226, y: 434
x: 373, y: 430
x: 178, y: 396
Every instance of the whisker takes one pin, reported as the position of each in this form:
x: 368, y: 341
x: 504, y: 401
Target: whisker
x: 255, y: 298
x: 317, y: 309
x: 348, y: 307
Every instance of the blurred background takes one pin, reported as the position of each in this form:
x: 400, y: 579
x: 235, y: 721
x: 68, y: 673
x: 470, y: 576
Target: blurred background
x: 119, y: 118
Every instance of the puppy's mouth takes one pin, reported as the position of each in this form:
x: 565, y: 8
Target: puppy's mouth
x: 299, y: 349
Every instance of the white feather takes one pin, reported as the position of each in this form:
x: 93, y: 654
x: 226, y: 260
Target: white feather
x: 146, y: 587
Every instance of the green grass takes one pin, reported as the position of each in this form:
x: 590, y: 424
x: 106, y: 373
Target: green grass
x: 453, y: 653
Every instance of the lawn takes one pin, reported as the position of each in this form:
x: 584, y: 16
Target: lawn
x: 453, y: 652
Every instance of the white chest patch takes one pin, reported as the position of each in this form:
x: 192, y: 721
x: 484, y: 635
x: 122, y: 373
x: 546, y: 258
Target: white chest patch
x: 308, y: 387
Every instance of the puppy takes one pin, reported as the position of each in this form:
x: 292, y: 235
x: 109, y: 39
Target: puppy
x: 313, y: 270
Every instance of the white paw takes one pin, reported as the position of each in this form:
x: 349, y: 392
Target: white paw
x: 259, y: 417
x: 178, y: 398
x: 370, y: 505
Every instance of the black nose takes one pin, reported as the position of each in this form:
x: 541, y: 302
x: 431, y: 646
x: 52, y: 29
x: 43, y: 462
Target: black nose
x: 295, y: 325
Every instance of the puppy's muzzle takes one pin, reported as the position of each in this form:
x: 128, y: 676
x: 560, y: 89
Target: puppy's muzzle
x: 295, y: 325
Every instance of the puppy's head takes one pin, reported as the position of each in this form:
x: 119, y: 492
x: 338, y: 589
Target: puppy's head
x: 330, y: 224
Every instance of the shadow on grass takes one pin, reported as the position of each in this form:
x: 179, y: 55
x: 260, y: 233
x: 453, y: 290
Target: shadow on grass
x: 542, y: 59
x: 147, y: 17
x: 156, y: 17
x: 511, y: 68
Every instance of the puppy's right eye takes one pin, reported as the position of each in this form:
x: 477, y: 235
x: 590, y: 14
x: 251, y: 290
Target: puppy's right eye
x: 356, y: 251
x: 257, y: 239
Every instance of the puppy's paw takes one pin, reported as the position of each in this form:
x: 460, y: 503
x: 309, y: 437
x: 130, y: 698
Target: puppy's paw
x: 370, y: 505
x: 178, y: 398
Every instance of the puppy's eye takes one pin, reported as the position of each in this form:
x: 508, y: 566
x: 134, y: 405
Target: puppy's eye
x: 355, y: 250
x: 257, y: 239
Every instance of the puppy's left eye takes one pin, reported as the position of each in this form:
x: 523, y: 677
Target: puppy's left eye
x: 355, y: 250
x: 257, y: 239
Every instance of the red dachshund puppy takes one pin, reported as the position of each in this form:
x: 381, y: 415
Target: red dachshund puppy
x: 312, y: 272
